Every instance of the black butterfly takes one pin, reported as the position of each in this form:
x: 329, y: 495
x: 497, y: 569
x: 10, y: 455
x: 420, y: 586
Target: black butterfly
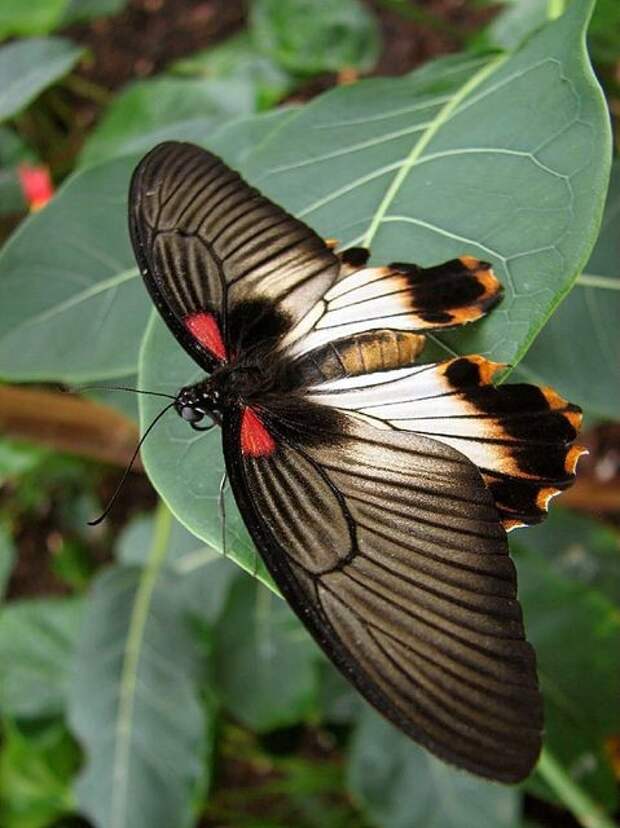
x: 377, y: 490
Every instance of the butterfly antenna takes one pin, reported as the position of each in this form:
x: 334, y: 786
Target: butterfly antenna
x: 78, y: 388
x: 112, y: 500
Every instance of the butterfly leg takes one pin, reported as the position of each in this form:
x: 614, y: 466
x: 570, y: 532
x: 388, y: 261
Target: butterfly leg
x: 221, y: 504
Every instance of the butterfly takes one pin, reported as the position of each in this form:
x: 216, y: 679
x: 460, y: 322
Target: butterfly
x: 377, y: 489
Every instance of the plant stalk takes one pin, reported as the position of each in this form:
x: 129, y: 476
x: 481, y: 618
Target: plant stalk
x: 587, y: 812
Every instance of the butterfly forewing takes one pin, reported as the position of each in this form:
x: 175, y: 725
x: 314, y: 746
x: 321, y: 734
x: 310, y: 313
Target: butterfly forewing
x: 226, y: 267
x: 389, y: 547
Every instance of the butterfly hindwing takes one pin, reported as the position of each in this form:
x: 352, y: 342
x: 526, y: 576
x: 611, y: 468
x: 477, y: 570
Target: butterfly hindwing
x: 226, y: 267
x: 520, y: 437
x: 398, y: 296
x: 389, y: 547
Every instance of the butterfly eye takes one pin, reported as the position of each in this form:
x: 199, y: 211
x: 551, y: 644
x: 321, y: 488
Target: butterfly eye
x: 192, y: 415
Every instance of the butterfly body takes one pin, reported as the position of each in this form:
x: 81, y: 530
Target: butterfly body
x: 378, y: 489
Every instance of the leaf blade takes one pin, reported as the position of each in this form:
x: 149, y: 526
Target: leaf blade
x: 135, y: 704
x: 27, y: 67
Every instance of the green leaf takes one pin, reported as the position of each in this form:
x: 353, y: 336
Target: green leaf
x: 264, y: 660
x: 37, y: 763
x: 33, y: 17
x: 238, y: 58
x: 7, y: 558
x: 37, y: 640
x: 504, y: 158
x: 400, y: 785
x: 309, y: 38
x: 163, y: 108
x: 592, y: 308
x: 576, y: 633
x: 135, y: 703
x: 72, y: 306
x: 27, y: 67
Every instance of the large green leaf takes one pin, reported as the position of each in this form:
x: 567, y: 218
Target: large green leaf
x: 582, y: 339
x: 265, y: 664
x: 399, y: 785
x: 164, y: 108
x: 27, y: 67
x: 135, y: 703
x: 576, y: 633
x: 72, y: 306
x: 37, y: 642
x: 506, y: 158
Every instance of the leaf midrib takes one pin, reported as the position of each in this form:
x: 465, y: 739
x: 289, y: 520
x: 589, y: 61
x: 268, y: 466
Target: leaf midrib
x: 131, y: 658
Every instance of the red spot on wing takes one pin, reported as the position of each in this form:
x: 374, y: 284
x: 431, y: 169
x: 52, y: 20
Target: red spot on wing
x: 204, y: 327
x: 256, y: 441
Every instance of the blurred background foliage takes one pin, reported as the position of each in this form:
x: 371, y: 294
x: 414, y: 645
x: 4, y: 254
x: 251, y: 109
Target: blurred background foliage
x: 144, y: 679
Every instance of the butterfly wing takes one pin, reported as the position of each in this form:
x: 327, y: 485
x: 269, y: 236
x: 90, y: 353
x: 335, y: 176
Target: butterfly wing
x: 398, y: 296
x: 521, y: 437
x: 389, y: 547
x: 226, y: 267
x: 230, y: 271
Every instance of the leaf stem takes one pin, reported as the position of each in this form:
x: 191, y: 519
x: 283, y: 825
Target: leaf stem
x: 587, y: 812
x: 133, y: 649
x: 605, y: 282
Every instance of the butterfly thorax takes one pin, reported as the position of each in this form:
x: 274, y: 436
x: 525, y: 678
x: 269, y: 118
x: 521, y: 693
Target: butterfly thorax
x: 230, y: 385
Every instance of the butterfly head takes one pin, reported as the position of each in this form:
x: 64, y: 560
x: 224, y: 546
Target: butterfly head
x: 194, y: 403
